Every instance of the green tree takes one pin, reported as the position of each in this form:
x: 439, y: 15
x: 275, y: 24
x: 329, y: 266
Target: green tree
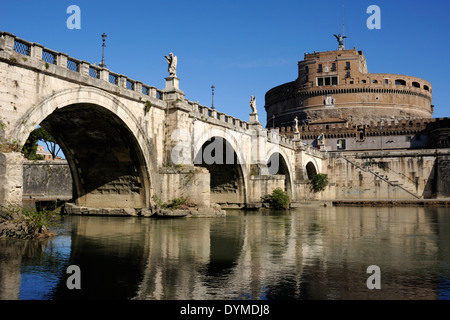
x: 279, y: 199
x: 40, y: 134
x: 319, y: 182
x: 30, y: 147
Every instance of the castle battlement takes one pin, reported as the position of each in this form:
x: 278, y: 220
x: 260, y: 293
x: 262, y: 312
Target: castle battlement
x: 380, y: 128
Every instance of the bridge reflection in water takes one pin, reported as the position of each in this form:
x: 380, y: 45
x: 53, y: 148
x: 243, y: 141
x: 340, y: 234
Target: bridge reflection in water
x: 314, y: 253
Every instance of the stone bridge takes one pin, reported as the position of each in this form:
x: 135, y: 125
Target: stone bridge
x: 129, y: 144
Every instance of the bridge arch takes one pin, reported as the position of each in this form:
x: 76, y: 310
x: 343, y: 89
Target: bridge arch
x: 311, y: 169
x: 220, y: 152
x: 109, y: 156
x: 278, y: 163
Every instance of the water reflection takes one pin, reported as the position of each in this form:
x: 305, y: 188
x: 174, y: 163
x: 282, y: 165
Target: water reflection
x: 310, y: 253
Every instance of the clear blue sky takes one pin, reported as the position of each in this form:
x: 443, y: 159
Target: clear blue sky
x: 243, y: 47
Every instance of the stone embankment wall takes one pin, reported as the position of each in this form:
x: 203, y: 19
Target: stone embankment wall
x: 443, y: 174
x: 402, y: 175
x: 46, y: 181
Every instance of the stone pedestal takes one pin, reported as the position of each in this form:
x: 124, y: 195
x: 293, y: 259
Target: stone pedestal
x: 172, y: 82
x: 172, y: 90
x: 254, y: 118
x: 11, y: 178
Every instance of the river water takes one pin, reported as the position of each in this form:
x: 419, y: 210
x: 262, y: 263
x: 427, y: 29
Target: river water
x: 311, y: 253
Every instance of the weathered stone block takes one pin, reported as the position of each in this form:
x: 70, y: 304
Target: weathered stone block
x: 11, y: 187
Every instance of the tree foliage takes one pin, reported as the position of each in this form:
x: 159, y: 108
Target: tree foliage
x: 319, y: 182
x: 30, y: 147
x: 278, y: 199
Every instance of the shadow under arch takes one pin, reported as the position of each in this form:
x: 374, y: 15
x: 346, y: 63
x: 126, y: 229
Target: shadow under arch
x: 103, y: 143
x: 227, y: 180
x: 311, y: 170
x: 278, y: 166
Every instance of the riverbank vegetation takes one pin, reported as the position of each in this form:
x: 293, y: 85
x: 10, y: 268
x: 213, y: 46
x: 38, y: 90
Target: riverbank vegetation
x: 26, y: 223
x: 319, y: 182
x: 278, y: 199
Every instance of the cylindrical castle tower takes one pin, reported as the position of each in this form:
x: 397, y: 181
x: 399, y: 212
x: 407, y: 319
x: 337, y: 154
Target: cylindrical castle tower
x: 336, y: 85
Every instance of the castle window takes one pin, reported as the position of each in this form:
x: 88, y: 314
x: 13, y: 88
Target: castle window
x: 341, y: 144
x: 375, y: 81
x: 361, y: 135
x: 416, y: 85
x: 320, y: 69
x: 400, y: 82
x: 306, y: 69
x: 386, y: 81
x: 348, y: 74
x: 333, y: 67
x: 426, y: 88
x: 347, y: 66
x: 327, y: 81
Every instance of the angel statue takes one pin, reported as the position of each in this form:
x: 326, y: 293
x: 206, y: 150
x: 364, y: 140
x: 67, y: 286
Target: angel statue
x: 253, y: 104
x: 340, y: 39
x: 172, y: 61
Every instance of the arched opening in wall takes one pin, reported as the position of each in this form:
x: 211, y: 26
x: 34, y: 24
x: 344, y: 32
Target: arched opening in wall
x: 106, y: 163
x: 47, y: 181
x: 277, y: 166
x: 227, y: 186
x: 426, y: 88
x: 311, y: 170
x: 400, y: 82
x: 416, y: 85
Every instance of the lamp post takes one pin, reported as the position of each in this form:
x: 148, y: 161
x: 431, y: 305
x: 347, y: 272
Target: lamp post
x: 212, y: 88
x: 102, y: 64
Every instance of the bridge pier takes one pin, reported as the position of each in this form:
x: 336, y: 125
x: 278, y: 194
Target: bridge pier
x: 11, y: 178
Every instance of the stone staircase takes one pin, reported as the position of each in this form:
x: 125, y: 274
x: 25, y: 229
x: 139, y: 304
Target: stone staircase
x: 392, y: 178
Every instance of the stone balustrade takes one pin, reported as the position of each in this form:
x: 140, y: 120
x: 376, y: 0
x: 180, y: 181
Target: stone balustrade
x: 34, y: 51
x: 49, y: 60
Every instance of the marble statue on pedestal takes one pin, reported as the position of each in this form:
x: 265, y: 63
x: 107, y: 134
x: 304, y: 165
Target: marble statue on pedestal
x: 253, y: 104
x: 172, y: 61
